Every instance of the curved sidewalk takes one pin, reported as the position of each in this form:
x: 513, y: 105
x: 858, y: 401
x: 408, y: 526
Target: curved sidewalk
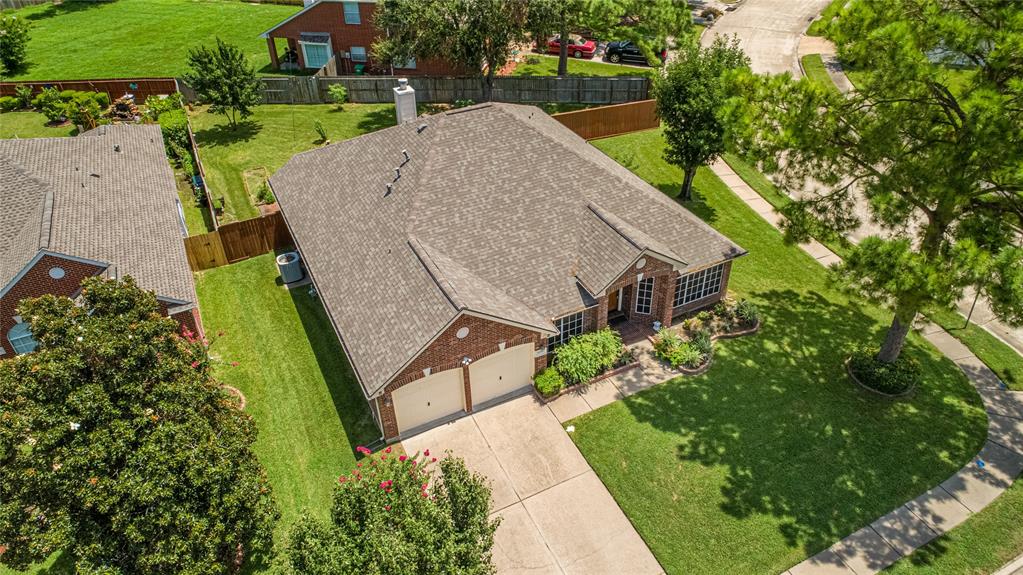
x: 912, y: 525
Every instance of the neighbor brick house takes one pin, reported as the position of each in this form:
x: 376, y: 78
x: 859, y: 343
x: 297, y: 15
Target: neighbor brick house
x: 344, y: 30
x: 101, y: 204
x: 454, y: 252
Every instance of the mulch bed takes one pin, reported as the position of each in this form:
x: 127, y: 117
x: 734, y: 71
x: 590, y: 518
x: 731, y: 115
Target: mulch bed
x: 238, y: 395
x: 852, y: 376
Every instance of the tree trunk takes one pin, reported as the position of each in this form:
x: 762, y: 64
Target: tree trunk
x: 895, y: 339
x: 563, y: 47
x: 686, y: 193
x: 488, y: 83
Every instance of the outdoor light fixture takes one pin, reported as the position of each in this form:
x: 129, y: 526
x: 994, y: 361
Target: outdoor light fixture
x: 466, y: 360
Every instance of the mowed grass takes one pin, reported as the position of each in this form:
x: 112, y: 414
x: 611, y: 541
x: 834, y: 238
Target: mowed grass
x: 548, y: 66
x: 298, y: 386
x: 983, y: 544
x: 268, y: 139
x: 773, y: 455
x: 31, y: 125
x: 139, y: 38
x: 813, y: 66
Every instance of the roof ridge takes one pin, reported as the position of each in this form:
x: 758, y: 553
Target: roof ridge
x: 445, y: 286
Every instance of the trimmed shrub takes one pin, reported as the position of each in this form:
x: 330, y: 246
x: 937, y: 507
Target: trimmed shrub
x: 891, y: 378
x: 264, y: 195
x: 747, y: 312
x: 24, y: 96
x: 338, y: 94
x: 9, y: 104
x: 585, y: 356
x: 49, y: 103
x: 14, y: 32
x: 155, y: 105
x: 672, y: 348
x: 703, y: 343
x: 83, y: 110
x: 549, y: 382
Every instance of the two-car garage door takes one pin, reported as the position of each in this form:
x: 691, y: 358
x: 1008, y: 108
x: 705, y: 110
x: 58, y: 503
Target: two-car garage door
x: 441, y: 394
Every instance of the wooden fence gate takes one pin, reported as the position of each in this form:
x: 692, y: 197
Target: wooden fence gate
x: 237, y: 241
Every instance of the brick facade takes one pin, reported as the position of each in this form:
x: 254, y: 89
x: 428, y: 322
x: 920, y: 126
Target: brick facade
x: 37, y: 282
x: 447, y: 352
x: 329, y: 18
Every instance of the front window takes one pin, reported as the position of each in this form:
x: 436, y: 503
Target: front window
x: 21, y: 338
x: 698, y: 285
x: 358, y: 54
x: 352, y: 13
x: 568, y: 327
x: 645, y: 295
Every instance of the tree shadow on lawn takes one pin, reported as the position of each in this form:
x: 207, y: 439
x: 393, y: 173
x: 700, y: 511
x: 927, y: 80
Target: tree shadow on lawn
x: 349, y: 402
x: 63, y: 8
x: 799, y: 440
x: 376, y: 119
x: 225, y: 135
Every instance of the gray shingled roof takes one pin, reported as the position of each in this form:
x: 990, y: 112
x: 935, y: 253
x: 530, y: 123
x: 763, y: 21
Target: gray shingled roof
x: 501, y: 210
x: 115, y: 207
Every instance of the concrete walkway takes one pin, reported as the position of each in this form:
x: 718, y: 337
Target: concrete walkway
x: 937, y: 511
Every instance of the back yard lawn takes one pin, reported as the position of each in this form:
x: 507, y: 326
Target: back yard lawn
x: 256, y: 148
x: 31, y: 125
x: 548, y: 66
x: 139, y: 38
x: 773, y: 454
x: 297, y: 383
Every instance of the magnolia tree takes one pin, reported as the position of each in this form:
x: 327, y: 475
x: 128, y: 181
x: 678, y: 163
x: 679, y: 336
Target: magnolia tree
x: 118, y: 447
x: 224, y: 79
x: 394, y: 514
x: 932, y: 138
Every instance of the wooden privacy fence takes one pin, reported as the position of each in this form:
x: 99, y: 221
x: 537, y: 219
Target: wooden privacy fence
x: 611, y: 120
x: 142, y: 88
x: 429, y: 89
x: 237, y: 241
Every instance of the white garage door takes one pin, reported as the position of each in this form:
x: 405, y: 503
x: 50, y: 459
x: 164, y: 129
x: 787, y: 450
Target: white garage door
x: 501, y: 373
x: 429, y: 399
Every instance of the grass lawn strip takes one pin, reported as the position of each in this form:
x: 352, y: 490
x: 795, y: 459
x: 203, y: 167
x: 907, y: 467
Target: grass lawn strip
x: 817, y: 72
x: 298, y: 386
x: 548, y: 66
x: 773, y: 454
x: 139, y: 38
x: 31, y: 125
x: 268, y: 139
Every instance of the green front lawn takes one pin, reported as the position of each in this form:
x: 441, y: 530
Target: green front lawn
x: 259, y: 146
x: 548, y: 66
x: 297, y: 383
x: 773, y: 455
x: 139, y: 38
x: 31, y: 125
x: 813, y: 66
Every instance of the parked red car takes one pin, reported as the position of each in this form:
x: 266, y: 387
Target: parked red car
x: 578, y: 47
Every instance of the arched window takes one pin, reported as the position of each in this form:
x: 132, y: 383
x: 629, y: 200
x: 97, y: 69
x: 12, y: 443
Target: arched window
x: 21, y: 338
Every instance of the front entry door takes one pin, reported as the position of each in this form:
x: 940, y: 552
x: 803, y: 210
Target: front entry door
x: 613, y: 301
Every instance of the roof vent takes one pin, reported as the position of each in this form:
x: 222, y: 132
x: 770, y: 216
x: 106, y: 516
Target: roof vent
x: 117, y: 148
x: 408, y: 158
x: 397, y: 174
x: 390, y: 188
x: 420, y: 129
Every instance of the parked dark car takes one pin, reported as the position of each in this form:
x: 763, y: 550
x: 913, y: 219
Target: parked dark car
x: 626, y: 51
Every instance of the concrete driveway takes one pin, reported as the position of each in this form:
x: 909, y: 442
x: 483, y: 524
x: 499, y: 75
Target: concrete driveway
x: 557, y: 516
x: 768, y: 31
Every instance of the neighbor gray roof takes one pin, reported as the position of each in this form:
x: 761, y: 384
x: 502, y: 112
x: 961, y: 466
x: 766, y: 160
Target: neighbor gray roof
x: 80, y: 197
x: 501, y: 211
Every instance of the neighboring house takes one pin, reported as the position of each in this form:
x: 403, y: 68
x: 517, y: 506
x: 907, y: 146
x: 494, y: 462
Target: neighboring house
x: 101, y: 204
x: 344, y: 30
x: 454, y: 252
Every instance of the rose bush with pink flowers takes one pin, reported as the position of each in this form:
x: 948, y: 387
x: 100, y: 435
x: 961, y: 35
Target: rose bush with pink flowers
x: 396, y: 514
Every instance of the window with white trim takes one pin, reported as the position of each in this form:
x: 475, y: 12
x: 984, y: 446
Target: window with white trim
x: 645, y: 295
x: 568, y: 327
x: 21, y: 338
x: 358, y: 54
x: 698, y: 285
x: 352, y: 13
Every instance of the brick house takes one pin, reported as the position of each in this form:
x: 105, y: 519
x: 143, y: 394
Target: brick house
x: 344, y: 30
x: 102, y: 204
x: 455, y: 251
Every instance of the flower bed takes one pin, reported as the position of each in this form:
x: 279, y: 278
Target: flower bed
x: 891, y: 380
x: 583, y: 360
x: 689, y: 348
